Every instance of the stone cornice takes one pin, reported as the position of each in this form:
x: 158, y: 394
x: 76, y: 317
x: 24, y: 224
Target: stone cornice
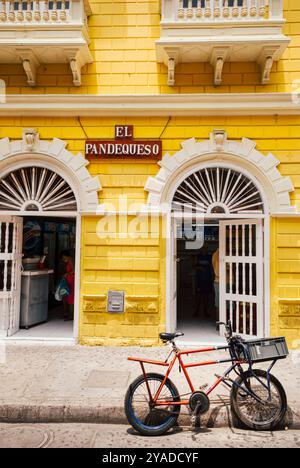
x: 150, y: 105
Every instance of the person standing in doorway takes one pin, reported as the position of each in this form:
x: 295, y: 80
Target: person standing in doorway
x: 69, y: 275
x: 204, y: 280
x: 216, y: 268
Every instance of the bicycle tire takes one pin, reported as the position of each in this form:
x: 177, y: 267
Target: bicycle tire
x: 241, y: 418
x: 135, y: 422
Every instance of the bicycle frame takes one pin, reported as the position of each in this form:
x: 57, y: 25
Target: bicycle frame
x: 184, y: 367
x: 235, y: 363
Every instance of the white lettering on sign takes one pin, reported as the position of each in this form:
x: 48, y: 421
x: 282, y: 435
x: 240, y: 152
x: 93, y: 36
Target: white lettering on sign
x: 124, y: 148
x: 91, y: 148
x: 124, y: 131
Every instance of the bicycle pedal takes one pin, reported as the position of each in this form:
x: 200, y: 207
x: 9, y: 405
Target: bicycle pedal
x: 194, y: 422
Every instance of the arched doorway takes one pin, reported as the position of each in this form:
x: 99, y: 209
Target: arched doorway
x: 218, y: 216
x: 31, y: 247
x: 44, y: 190
x: 225, y: 191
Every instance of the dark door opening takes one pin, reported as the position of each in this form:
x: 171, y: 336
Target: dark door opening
x: 48, y: 256
x: 197, y: 284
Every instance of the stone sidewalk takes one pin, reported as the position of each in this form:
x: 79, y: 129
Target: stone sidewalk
x: 40, y: 383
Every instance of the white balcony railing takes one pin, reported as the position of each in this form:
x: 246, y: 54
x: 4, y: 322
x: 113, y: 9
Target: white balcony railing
x: 222, y: 10
x: 37, y: 11
x: 40, y: 31
x: 217, y: 31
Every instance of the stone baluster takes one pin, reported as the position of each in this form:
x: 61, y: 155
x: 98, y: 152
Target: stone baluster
x: 262, y: 8
x: 3, y: 15
x: 37, y: 11
x: 207, y: 11
x: 63, y: 14
x: 20, y: 14
x: 244, y: 10
x: 180, y: 13
x: 226, y: 11
x: 253, y: 8
x: 28, y: 13
x: 46, y: 14
x: 217, y: 11
x: 199, y: 10
x: 54, y: 12
x: 11, y: 14
x: 190, y: 11
x: 235, y: 9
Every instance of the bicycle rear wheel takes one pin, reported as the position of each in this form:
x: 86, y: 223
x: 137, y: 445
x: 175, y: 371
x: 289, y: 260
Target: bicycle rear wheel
x: 142, y: 415
x: 252, y: 414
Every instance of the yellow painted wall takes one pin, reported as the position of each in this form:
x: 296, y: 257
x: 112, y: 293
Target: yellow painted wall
x: 285, y: 279
x: 279, y: 135
x: 123, y: 34
x: 138, y: 266
x: 123, y: 37
x: 135, y: 265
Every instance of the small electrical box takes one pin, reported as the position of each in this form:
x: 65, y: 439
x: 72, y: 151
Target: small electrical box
x: 116, y: 302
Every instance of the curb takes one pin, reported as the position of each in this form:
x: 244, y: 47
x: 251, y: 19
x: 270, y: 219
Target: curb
x: 218, y: 417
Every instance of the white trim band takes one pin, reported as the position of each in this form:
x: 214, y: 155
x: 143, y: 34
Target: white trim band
x: 152, y: 105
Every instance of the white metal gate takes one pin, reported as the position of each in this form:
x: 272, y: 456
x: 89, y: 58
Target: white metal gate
x: 11, y: 237
x: 241, y: 276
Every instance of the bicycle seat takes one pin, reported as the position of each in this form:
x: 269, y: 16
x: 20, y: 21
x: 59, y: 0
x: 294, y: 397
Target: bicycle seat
x: 170, y: 336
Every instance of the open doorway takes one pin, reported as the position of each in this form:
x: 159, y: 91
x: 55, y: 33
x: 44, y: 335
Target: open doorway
x: 46, y: 198
x: 48, y: 249
x: 197, y: 284
x: 219, y: 276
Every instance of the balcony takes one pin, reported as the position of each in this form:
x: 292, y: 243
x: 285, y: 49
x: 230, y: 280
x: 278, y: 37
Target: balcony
x: 35, y: 32
x: 219, y: 31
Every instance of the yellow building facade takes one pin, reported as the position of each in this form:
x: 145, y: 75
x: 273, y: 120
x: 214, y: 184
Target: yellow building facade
x: 214, y: 109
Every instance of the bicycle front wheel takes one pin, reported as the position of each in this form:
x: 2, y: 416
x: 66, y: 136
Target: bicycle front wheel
x: 142, y: 415
x: 266, y: 415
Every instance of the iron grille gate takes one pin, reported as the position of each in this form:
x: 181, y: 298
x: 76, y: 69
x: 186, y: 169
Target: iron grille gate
x: 241, y: 276
x: 11, y: 235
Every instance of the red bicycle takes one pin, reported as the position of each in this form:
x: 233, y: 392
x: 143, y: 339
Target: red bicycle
x: 258, y: 400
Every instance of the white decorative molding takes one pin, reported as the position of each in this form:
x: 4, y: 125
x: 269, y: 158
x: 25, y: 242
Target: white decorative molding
x: 172, y: 61
x: 30, y: 65
x: 241, y: 156
x: 218, y: 138
x: 266, y: 69
x: 52, y: 155
x: 30, y: 138
x: 76, y: 71
x: 196, y: 29
x: 44, y: 33
x: 171, y: 71
x: 218, y: 58
x: 266, y: 60
x: 30, y: 71
x: 152, y: 105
